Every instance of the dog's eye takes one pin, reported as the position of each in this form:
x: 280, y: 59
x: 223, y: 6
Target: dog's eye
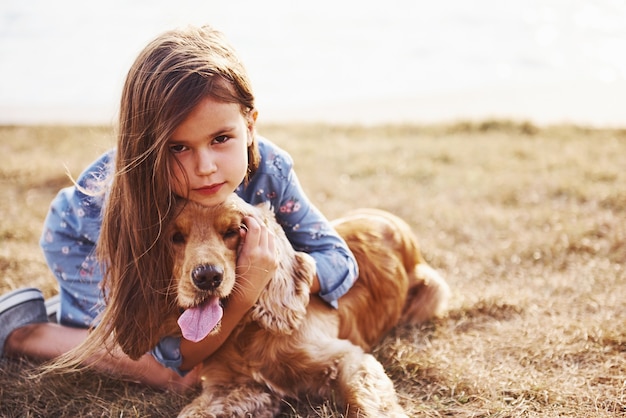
x: 178, y: 238
x: 230, y: 233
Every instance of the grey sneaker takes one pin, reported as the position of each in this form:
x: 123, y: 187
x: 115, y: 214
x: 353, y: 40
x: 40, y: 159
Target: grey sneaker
x: 53, y: 305
x: 19, y: 308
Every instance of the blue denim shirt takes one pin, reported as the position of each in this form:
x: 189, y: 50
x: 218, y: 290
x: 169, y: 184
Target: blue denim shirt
x: 72, y: 228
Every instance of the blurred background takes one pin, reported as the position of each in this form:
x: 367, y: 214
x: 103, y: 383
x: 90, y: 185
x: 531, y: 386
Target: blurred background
x: 544, y: 61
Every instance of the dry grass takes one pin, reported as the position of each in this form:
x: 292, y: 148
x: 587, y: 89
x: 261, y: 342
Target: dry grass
x: 527, y: 224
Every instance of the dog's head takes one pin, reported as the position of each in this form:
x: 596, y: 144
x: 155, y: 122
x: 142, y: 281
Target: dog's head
x: 205, y: 243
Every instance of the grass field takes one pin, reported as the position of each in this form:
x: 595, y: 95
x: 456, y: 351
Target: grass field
x: 527, y: 224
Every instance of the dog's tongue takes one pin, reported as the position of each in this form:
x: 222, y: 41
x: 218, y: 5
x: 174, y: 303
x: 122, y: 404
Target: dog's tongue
x: 196, y: 323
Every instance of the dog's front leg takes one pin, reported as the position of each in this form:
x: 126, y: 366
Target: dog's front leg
x: 365, y: 387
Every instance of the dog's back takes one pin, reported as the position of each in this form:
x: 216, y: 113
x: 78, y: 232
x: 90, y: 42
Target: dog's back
x: 395, y: 284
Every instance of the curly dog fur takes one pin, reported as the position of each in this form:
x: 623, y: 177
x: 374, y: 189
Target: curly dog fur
x: 291, y: 344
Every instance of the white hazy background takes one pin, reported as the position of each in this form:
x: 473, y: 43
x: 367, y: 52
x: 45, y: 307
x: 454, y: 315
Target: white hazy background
x: 544, y: 61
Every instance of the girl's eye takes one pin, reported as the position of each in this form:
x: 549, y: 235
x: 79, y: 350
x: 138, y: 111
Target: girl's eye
x: 177, y: 148
x: 221, y: 139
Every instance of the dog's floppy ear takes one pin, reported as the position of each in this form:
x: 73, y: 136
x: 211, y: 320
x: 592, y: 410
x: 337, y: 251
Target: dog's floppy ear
x: 282, y: 305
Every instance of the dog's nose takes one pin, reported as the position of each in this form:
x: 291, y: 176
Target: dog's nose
x: 207, y: 276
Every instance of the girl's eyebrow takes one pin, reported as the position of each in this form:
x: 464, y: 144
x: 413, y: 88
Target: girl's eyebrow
x: 223, y: 131
x: 219, y: 132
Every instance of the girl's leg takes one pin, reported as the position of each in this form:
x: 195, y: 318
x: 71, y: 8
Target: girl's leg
x: 46, y: 341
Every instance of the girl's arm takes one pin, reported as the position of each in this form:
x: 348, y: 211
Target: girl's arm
x: 309, y: 231
x: 305, y: 226
x: 68, y: 241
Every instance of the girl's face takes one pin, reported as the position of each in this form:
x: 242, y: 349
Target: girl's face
x: 211, y: 146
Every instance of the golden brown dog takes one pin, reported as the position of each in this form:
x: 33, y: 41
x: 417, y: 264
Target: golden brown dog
x: 292, y: 344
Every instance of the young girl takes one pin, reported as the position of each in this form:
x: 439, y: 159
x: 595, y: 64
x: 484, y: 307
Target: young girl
x: 186, y: 129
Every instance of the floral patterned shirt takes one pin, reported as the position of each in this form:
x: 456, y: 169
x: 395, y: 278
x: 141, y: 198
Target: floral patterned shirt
x: 72, y: 228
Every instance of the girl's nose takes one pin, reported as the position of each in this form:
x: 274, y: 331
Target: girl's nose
x: 205, y: 163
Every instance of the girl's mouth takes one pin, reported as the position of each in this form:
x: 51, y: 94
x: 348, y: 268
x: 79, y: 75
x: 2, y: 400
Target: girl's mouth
x: 209, y: 190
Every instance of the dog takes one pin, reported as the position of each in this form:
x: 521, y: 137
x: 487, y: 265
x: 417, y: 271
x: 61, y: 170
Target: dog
x: 292, y: 344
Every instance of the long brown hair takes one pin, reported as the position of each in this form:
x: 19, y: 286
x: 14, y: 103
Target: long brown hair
x: 167, y: 80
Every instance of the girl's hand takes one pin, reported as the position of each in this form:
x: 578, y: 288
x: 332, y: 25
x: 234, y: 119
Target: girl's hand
x: 256, y: 261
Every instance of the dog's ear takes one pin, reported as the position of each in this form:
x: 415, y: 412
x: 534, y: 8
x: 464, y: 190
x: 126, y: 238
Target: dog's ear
x: 282, y: 306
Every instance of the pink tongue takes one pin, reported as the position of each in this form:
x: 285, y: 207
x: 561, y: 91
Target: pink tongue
x: 196, y: 323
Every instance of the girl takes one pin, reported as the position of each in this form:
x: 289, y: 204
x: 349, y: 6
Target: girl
x: 186, y: 129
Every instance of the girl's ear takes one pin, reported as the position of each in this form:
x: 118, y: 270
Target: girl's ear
x: 251, y: 121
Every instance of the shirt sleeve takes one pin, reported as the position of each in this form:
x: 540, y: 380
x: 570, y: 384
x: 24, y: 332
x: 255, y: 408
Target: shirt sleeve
x: 309, y: 231
x: 305, y: 226
x: 167, y: 352
x: 70, y: 233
